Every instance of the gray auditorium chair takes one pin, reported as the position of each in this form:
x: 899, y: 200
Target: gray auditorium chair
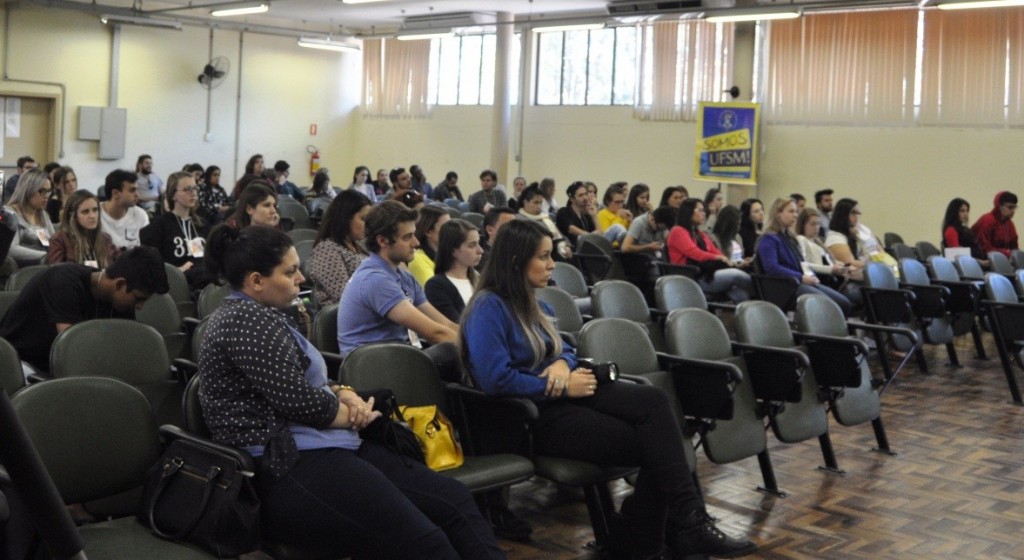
x: 475, y: 218
x: 570, y: 279
x: 1000, y: 264
x: 1006, y: 316
x: 618, y: 298
x: 570, y: 321
x: 840, y: 363
x: 931, y: 309
x: 699, y: 342
x: 598, y: 258
x: 101, y: 444
x: 926, y: 250
x: 676, y: 292
x: 969, y: 268
x: 1017, y: 258
x: 6, y: 300
x: 21, y: 277
x: 292, y: 210
x: 890, y: 239
x: 302, y: 234
x: 902, y: 251
x: 11, y: 377
x: 887, y: 304
x: 210, y: 299
x: 180, y: 291
x: 126, y: 350
x: 325, y: 338
x: 964, y: 301
x: 781, y: 376
x: 161, y: 313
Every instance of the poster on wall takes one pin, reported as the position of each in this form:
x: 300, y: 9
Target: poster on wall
x: 12, y: 119
x: 727, y: 136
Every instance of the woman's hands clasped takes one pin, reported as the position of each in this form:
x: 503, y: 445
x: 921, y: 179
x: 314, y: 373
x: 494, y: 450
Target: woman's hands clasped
x: 360, y: 412
x: 579, y: 382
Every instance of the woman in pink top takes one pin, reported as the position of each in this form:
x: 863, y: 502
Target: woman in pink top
x: 688, y: 244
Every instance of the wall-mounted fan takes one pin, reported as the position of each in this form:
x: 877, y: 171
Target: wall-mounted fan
x: 214, y: 72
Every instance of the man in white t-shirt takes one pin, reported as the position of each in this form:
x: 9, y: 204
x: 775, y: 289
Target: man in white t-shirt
x: 150, y: 185
x: 121, y: 216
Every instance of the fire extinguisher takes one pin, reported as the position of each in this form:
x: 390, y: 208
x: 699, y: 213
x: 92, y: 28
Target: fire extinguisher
x: 314, y: 159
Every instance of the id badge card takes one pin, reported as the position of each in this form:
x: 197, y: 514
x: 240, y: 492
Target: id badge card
x: 414, y: 339
x: 44, y: 237
x: 195, y: 247
x: 92, y: 264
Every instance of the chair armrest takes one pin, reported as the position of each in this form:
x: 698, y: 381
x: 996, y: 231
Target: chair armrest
x: 894, y: 291
x: 834, y: 339
x: 952, y: 284
x: 587, y: 318
x: 925, y: 287
x: 525, y: 406
x: 169, y: 433
x: 186, y: 369
x: 734, y: 373
x: 791, y: 352
x: 637, y: 379
x: 992, y: 303
x: 909, y: 333
x: 657, y: 314
x: 721, y: 306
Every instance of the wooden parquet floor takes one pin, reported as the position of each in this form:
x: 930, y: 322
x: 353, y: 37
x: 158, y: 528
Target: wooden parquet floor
x: 955, y: 490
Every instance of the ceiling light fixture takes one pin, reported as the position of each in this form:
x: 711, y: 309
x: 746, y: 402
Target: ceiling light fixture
x: 359, y: 1
x: 419, y: 35
x: 968, y: 5
x: 751, y: 14
x: 145, y: 21
x: 241, y: 10
x: 327, y: 45
x: 541, y: 28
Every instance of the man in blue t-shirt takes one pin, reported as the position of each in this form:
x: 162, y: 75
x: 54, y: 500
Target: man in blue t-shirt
x: 383, y: 302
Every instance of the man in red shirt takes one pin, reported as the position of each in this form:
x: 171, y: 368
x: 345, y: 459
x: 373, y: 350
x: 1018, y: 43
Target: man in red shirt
x: 995, y: 231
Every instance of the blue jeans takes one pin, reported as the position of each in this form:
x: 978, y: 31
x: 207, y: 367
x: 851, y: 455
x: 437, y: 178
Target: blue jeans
x: 842, y: 301
x: 374, y: 504
x: 616, y: 233
x: 733, y: 281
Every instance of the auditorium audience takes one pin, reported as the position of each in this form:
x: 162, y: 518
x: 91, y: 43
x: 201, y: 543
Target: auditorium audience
x: 420, y: 183
x: 726, y: 235
x: 778, y: 252
x: 383, y: 302
x: 401, y: 181
x: 35, y: 229
x: 428, y: 233
x: 214, y: 203
x: 381, y: 185
x: 547, y: 188
x: 24, y: 164
x: 674, y: 196
x: 714, y: 201
x: 488, y: 196
x: 531, y: 203
x: 843, y: 242
x: 995, y: 230
x: 449, y: 188
x: 638, y: 201
x: 510, y: 348
x: 823, y: 200
x: 801, y: 201
x: 253, y: 170
x: 458, y: 254
x: 614, y: 218
x: 751, y: 224
x: 320, y: 193
x: 688, y: 243
x: 64, y: 182
x: 320, y: 485
x: 69, y: 293
x: 955, y: 232
x: 81, y: 238
x: 283, y: 186
x: 818, y: 258
x: 122, y: 219
x: 337, y: 250
x: 360, y: 182
x: 649, y: 231
x: 179, y: 234
x: 257, y: 206
x: 493, y: 220
x: 579, y: 215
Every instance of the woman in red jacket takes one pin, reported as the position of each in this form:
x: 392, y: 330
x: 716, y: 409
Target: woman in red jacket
x: 688, y: 244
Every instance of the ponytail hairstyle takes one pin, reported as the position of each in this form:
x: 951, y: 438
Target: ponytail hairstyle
x: 232, y: 253
x: 505, y: 275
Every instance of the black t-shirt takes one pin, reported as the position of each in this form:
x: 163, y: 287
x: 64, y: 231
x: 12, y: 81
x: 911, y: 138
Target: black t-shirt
x: 60, y: 294
x: 566, y: 217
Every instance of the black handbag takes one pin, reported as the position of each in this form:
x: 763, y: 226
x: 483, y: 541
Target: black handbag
x: 201, y: 492
x: 391, y: 430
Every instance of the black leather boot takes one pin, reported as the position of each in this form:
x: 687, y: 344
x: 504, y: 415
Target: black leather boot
x: 695, y: 534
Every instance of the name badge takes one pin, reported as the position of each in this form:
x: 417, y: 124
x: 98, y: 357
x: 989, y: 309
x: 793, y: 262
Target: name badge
x: 44, y: 237
x: 414, y: 339
x: 196, y: 246
x: 92, y: 264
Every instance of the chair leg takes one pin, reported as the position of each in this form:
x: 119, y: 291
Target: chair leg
x: 1011, y: 378
x: 831, y: 465
x: 954, y: 360
x: 768, y: 474
x: 880, y: 437
x: 598, y: 514
x: 976, y: 335
x: 880, y: 347
x: 922, y: 363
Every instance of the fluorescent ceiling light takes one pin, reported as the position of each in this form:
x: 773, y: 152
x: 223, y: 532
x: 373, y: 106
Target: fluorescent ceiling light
x: 967, y: 5
x: 148, y: 22
x: 751, y: 14
x: 568, y: 27
x: 359, y: 1
x: 419, y: 35
x: 241, y: 10
x: 327, y: 45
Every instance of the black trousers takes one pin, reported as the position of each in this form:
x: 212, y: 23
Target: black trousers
x: 626, y: 425
x: 373, y: 504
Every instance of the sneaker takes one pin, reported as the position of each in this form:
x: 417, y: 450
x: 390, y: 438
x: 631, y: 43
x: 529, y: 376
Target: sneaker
x: 697, y: 534
x: 507, y: 525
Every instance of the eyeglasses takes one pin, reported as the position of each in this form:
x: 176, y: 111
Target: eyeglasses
x: 44, y: 192
x: 188, y: 189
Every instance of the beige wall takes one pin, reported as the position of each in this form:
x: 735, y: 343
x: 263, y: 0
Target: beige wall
x: 903, y: 176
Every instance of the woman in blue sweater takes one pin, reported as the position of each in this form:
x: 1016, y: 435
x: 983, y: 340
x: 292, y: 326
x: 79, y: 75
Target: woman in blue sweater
x: 779, y: 254
x: 511, y: 348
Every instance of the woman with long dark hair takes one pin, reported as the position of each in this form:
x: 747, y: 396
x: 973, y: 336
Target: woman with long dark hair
x: 321, y: 193
x: 428, y: 232
x: 673, y: 196
x: 842, y: 240
x: 955, y: 232
x: 65, y: 183
x: 725, y: 234
x: 455, y: 276
x: 337, y: 251
x: 688, y: 243
x: 638, y: 201
x: 257, y: 206
x: 360, y: 182
x: 714, y: 201
x: 751, y: 223
x: 214, y: 203
x: 264, y: 388
x: 510, y: 347
x: 81, y: 238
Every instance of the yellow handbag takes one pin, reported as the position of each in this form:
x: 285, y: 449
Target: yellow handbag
x: 436, y: 436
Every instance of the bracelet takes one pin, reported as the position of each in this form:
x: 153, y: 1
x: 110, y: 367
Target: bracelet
x: 345, y: 388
